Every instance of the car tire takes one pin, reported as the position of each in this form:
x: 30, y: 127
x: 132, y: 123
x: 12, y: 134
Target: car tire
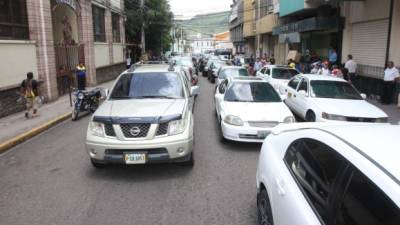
x: 264, y: 211
x: 190, y: 162
x: 310, y: 116
x: 97, y: 165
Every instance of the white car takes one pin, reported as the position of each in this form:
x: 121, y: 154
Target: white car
x: 248, y: 108
x: 147, y: 118
x: 329, y: 173
x: 230, y: 71
x: 324, y: 98
x: 277, y: 75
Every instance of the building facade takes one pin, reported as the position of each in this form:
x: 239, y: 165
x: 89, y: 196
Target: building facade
x: 50, y: 37
x: 236, y: 27
x: 202, y: 44
x: 249, y: 27
x: 223, y: 40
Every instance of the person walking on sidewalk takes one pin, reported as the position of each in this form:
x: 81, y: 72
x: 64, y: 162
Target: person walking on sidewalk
x: 389, y: 83
x: 29, y: 90
x: 81, y: 76
x: 351, y: 67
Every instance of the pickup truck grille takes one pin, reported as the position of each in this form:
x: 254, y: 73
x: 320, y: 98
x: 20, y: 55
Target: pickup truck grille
x: 162, y: 129
x: 135, y: 130
x: 109, y: 129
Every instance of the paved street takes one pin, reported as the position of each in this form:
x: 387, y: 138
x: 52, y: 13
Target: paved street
x: 49, y: 180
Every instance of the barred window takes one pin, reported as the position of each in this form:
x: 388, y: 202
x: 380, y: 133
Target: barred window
x: 13, y: 20
x: 267, y: 7
x: 116, y: 27
x: 99, y: 31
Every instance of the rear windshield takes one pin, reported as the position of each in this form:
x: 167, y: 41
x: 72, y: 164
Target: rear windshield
x: 233, y: 72
x: 148, y: 85
x: 252, y: 92
x: 284, y: 73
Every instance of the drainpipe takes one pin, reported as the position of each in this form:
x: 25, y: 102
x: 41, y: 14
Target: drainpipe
x: 389, y: 31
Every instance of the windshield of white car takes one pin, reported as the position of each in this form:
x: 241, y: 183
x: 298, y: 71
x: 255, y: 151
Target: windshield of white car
x: 251, y: 92
x: 334, y: 89
x: 284, y: 73
x: 148, y: 85
x: 232, y: 72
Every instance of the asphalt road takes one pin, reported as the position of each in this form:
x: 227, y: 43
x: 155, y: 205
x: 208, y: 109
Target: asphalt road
x: 49, y: 180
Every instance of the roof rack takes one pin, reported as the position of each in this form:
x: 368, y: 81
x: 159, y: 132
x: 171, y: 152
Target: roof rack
x: 144, y: 63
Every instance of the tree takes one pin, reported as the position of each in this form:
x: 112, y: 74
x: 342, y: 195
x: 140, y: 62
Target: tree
x: 157, y: 18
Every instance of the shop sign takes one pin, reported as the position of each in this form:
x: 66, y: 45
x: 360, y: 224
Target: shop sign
x: 70, y: 3
x: 313, y: 23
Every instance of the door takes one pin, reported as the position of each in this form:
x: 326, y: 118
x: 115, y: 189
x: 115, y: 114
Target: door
x: 290, y: 91
x: 300, y: 98
x: 219, y: 97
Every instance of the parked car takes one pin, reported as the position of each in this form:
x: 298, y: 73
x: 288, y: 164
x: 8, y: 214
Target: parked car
x: 248, y: 108
x: 277, y: 75
x: 326, y: 173
x: 147, y: 118
x: 214, y: 68
x: 210, y: 61
x: 231, y: 71
x: 326, y: 98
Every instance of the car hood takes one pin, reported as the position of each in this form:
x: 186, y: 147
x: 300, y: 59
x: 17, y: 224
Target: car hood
x: 349, y: 108
x: 141, y: 108
x: 250, y: 111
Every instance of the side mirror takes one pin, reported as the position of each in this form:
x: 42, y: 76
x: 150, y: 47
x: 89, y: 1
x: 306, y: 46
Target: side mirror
x: 194, y: 91
x: 303, y: 92
x: 106, y: 92
x: 364, y: 96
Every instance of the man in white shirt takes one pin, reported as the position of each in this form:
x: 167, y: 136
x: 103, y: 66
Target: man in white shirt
x: 389, y: 83
x: 351, y: 67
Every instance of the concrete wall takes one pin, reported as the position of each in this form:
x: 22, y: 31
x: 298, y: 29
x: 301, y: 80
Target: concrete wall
x: 109, y: 72
x: 16, y: 59
x: 118, y: 53
x: 101, y: 54
x: 394, y: 53
x: 266, y: 23
x: 116, y: 3
x: 248, y: 17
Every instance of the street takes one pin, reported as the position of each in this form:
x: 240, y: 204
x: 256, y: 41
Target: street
x: 49, y: 180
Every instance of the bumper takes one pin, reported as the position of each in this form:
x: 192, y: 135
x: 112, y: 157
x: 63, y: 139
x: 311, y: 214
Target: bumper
x: 244, y: 133
x: 156, y: 152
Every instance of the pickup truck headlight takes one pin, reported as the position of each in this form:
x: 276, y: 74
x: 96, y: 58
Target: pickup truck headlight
x: 176, y: 127
x: 289, y: 119
x: 96, y: 129
x: 333, y: 117
x: 233, y: 120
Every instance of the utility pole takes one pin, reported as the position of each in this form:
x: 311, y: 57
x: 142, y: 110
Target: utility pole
x: 143, y: 39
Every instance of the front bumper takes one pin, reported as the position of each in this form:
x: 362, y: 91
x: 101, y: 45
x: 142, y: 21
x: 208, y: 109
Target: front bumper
x: 244, y: 133
x: 157, y: 151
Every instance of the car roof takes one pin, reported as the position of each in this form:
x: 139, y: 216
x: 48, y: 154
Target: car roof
x: 278, y: 66
x: 233, y: 67
x: 246, y: 79
x: 321, y: 77
x: 148, y: 68
x: 378, y: 143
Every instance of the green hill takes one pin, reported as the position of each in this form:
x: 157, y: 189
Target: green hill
x: 207, y: 24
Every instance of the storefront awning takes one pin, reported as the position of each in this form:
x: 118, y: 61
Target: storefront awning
x: 310, y: 24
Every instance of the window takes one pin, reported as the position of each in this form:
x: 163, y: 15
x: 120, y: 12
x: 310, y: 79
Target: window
x: 263, y: 70
x: 98, y: 24
x: 13, y: 20
x: 303, y: 86
x: 116, y: 27
x: 364, y: 203
x: 284, y: 73
x: 268, y: 72
x: 315, y: 167
x: 334, y: 89
x: 294, y: 82
x: 252, y: 92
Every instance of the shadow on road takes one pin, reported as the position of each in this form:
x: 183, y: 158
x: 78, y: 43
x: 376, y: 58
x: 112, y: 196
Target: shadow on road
x: 140, y: 173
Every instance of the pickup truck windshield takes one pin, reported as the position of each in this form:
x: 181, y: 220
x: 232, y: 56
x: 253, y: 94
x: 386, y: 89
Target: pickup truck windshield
x: 148, y: 85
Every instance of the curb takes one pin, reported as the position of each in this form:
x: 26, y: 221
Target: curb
x: 32, y: 133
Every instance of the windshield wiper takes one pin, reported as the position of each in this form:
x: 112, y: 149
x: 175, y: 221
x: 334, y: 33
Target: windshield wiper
x: 125, y: 97
x: 159, y: 96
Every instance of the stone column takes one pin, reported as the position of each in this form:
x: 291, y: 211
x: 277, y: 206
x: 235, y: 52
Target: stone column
x: 122, y: 29
x: 109, y: 35
x: 41, y: 31
x: 86, y: 38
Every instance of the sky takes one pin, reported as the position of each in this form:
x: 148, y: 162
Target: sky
x: 190, y: 8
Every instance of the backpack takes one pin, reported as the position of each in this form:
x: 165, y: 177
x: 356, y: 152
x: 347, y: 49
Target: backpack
x: 29, y: 92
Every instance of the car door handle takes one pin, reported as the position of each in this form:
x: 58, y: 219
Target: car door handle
x: 280, y: 187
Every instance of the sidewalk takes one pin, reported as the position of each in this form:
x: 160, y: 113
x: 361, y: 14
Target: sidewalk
x: 16, y: 126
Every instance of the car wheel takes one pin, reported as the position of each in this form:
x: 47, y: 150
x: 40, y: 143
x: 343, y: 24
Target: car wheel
x: 97, y: 165
x: 264, y: 211
x: 310, y: 116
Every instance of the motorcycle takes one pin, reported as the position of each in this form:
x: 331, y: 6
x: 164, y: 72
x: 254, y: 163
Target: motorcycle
x: 85, y: 101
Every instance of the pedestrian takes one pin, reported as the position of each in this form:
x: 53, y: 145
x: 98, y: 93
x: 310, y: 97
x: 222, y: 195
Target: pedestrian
x: 257, y: 65
x: 336, y: 71
x: 351, y: 67
x: 324, y: 69
x: 315, y: 68
x: 128, y: 62
x: 389, y: 83
x: 272, y: 60
x: 332, y: 55
x: 292, y: 64
x: 81, y: 76
x: 29, y: 91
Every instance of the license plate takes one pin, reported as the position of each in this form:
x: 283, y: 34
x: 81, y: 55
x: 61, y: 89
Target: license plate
x: 263, y: 134
x: 135, y: 158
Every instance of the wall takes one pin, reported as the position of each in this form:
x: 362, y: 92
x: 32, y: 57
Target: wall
x: 290, y: 6
x: 101, y: 54
x: 109, y: 72
x: 394, y: 53
x: 118, y: 53
x: 248, y: 17
x: 16, y: 59
x: 116, y: 3
x: 266, y: 23
x: 60, y: 12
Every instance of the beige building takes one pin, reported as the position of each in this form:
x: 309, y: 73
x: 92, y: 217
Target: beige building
x: 249, y: 27
x: 49, y: 38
